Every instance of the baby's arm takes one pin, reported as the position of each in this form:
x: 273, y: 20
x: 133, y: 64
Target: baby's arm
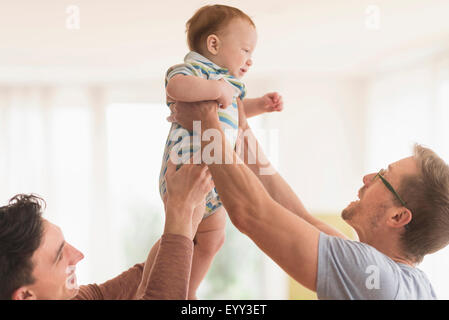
x: 253, y: 107
x: 268, y: 103
x: 191, y: 89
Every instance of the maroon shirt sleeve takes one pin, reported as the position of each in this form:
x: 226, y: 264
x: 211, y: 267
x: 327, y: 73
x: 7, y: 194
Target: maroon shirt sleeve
x: 169, y: 278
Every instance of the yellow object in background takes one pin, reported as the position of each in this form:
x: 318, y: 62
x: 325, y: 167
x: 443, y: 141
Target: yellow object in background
x: 297, y: 291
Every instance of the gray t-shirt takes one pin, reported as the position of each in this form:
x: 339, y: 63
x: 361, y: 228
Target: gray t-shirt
x: 354, y: 270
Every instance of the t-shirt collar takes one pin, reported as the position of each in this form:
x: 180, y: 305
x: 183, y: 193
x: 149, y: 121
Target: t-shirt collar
x: 192, y: 55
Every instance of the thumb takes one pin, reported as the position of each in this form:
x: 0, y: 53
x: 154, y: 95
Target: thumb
x: 170, y: 167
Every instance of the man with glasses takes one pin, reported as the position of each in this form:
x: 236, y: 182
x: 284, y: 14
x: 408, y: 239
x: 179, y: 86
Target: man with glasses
x: 401, y: 215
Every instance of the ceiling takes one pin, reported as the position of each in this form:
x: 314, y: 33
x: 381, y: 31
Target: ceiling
x: 137, y: 39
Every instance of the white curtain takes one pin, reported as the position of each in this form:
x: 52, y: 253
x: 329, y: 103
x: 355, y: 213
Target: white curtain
x: 94, y: 155
x: 47, y: 148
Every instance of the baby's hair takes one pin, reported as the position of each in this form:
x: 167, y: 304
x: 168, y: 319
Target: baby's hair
x: 208, y: 20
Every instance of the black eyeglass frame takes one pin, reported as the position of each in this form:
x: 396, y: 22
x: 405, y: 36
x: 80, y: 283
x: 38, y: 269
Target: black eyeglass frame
x: 389, y: 186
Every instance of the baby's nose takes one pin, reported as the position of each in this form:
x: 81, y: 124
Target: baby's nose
x: 249, y: 62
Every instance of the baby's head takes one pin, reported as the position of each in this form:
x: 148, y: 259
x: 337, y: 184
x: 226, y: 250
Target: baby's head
x: 225, y: 35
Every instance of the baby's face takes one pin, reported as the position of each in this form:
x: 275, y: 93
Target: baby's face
x: 237, y: 44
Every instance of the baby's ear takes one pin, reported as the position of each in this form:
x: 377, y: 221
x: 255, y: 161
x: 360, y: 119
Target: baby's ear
x: 213, y: 44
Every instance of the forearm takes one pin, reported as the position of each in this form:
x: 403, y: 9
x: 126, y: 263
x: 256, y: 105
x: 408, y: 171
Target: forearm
x: 190, y: 88
x: 287, y: 239
x: 122, y: 287
x: 237, y: 186
x: 274, y: 184
x: 282, y: 193
x: 252, y: 107
x: 170, y: 274
x: 167, y: 269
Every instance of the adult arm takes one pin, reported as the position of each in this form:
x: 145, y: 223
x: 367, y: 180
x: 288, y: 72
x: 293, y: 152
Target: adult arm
x: 288, y: 239
x: 252, y: 153
x: 169, y: 278
x: 170, y: 273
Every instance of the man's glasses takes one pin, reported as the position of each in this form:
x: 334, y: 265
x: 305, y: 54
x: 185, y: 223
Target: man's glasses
x: 388, y: 185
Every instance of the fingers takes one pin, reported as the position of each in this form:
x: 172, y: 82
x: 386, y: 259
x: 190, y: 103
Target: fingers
x: 207, y: 178
x: 170, y: 167
x: 202, y: 172
x: 210, y: 185
x: 191, y: 165
x: 277, y: 102
x: 207, y: 184
x: 164, y: 199
x: 172, y: 116
x: 275, y: 97
x: 173, y: 107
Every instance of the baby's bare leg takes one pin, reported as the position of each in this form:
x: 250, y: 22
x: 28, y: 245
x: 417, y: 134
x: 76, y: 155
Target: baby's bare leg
x: 208, y: 240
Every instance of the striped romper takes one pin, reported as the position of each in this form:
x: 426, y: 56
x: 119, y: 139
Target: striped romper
x: 181, y: 141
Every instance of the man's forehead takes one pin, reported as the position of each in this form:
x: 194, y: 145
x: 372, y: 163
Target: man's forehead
x: 51, y: 240
x: 48, y: 226
x: 404, y: 166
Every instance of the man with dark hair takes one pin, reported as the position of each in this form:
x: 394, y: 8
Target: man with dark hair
x: 401, y: 215
x: 20, y: 236
x: 37, y: 263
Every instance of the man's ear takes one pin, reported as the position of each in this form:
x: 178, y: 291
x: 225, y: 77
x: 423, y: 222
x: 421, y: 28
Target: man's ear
x: 400, y: 218
x: 23, y: 293
x: 213, y: 44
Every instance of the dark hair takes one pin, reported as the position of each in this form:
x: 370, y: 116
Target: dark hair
x: 427, y: 197
x: 21, y: 230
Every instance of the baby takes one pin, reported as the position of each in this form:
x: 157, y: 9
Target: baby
x: 222, y: 40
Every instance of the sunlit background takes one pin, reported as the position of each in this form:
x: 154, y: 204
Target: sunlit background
x: 82, y: 116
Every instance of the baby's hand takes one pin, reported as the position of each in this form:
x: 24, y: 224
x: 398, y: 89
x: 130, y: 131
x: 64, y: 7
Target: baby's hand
x: 227, y: 94
x: 272, y: 102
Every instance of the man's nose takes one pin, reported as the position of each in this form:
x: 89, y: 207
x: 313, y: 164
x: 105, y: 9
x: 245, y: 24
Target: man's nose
x: 75, y: 255
x: 368, y: 178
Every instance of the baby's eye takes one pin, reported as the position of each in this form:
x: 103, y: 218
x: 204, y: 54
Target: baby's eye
x: 246, y: 50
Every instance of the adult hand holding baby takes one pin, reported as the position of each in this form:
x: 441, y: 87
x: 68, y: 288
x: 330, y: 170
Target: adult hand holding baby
x: 184, y: 113
x: 186, y: 190
x: 227, y: 94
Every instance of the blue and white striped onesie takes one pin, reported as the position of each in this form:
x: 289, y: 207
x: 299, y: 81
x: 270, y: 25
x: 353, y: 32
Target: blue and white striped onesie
x: 180, y: 140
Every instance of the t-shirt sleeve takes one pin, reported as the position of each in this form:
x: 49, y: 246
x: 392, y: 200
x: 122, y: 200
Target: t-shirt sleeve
x: 183, y: 68
x: 353, y: 270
